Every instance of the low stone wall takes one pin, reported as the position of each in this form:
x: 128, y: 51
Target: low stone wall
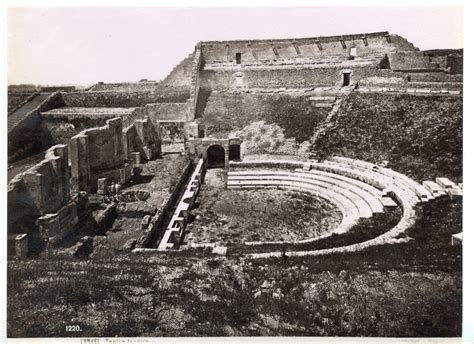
x: 167, y: 111
x: 125, y: 99
x: 56, y: 226
x: 155, y: 230
x: 174, y: 233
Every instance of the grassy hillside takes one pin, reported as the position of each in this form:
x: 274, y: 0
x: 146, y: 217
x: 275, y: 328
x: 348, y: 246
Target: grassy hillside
x: 421, y: 136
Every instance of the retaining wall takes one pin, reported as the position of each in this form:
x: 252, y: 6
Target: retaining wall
x: 175, y: 230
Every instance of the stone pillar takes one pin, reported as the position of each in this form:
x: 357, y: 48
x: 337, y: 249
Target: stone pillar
x: 35, y: 191
x: 80, y: 167
x: 21, y: 245
x: 102, y: 186
x: 136, y: 158
x: 192, y: 130
x: 65, y: 173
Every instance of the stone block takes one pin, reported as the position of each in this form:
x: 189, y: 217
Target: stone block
x: 125, y: 172
x: 455, y: 194
x: 220, y: 250
x: 102, y: 186
x: 82, y: 248
x: 104, y: 217
x: 59, y: 224
x: 434, y: 188
x: 388, y: 202
x: 445, y: 183
x: 145, y: 221
x: 136, y: 158
x: 21, y: 245
x: 130, y: 245
x: 135, y: 209
x: 456, y: 239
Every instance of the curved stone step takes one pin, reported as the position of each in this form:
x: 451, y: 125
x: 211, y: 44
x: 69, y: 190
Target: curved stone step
x: 400, y: 178
x: 362, y: 206
x: 361, y: 196
x: 373, y: 200
x: 346, y: 206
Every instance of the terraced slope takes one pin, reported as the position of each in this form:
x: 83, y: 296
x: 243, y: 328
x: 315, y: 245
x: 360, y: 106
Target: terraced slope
x: 420, y: 135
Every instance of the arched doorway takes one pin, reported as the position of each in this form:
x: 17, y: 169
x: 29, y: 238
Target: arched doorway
x: 215, y: 156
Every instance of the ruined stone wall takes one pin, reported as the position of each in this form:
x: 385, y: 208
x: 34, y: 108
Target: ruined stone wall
x: 411, y: 60
x: 42, y: 189
x: 98, y: 153
x: 366, y: 44
x: 166, y: 111
x: 146, y: 86
x: 143, y: 137
x: 455, y: 63
x: 126, y: 99
x: 296, y: 114
x: 297, y: 77
x: 60, y: 128
x: 104, y: 152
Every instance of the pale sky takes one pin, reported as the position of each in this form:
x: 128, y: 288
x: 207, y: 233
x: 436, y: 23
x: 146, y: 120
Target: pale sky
x: 83, y: 45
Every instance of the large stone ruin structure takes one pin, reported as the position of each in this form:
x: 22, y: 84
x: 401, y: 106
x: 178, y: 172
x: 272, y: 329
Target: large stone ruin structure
x: 101, y: 133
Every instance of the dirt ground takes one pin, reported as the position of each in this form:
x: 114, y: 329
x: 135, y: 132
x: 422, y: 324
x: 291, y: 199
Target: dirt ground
x: 223, y: 215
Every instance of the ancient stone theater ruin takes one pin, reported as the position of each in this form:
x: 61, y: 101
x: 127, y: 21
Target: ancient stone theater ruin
x: 365, y: 125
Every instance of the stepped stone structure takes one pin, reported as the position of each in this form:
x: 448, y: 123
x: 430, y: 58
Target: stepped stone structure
x: 96, y: 137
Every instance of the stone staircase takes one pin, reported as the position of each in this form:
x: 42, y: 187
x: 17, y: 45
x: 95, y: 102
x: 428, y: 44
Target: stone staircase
x: 21, y: 113
x: 345, y: 92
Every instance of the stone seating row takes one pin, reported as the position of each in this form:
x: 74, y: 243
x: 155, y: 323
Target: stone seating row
x: 364, y: 186
x: 407, y: 220
x: 349, y: 210
x: 174, y: 233
x: 367, y: 201
x: 397, y: 177
x: 384, y: 184
x: 363, y: 208
x: 407, y: 90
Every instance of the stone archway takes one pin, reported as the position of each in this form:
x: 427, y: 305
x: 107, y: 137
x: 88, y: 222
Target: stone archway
x: 215, y: 155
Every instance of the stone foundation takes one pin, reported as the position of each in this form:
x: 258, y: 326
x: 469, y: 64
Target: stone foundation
x: 59, y: 224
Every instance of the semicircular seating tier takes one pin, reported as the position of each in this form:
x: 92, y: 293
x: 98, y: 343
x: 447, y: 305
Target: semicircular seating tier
x: 356, y: 187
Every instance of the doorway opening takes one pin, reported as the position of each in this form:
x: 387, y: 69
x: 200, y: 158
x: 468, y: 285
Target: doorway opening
x: 238, y: 58
x: 215, y: 156
x: 346, y: 79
